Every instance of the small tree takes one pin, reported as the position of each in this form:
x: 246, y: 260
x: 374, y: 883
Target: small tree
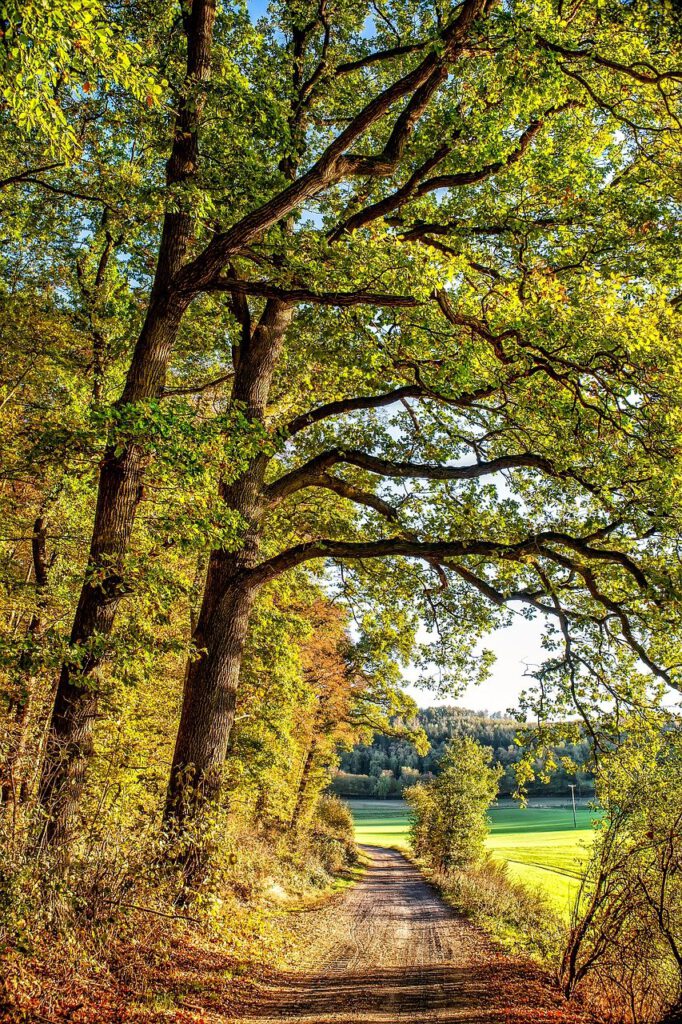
x: 625, y: 941
x: 449, y: 813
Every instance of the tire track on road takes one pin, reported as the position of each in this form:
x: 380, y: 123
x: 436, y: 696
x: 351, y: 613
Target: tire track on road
x: 392, y: 952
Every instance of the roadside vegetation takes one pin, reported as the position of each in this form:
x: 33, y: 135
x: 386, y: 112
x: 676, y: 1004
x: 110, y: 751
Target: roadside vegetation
x: 110, y: 944
x: 334, y: 335
x: 449, y: 825
x: 95, y: 939
x: 618, y: 945
x: 538, y: 843
x: 625, y: 943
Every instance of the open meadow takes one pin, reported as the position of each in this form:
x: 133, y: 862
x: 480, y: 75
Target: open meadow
x: 539, y: 843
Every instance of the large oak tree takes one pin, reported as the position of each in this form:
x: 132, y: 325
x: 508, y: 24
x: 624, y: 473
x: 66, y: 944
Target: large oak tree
x: 436, y: 243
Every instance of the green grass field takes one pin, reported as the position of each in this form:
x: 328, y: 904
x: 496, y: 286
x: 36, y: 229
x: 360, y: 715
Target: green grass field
x: 539, y: 843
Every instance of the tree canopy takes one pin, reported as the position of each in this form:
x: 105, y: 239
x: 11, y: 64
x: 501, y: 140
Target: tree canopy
x: 380, y: 301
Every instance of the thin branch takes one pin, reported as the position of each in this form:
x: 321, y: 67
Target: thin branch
x: 420, y: 229
x: 472, y: 177
x: 418, y: 391
x: 345, y: 405
x: 652, y: 78
x: 266, y: 290
x: 28, y: 174
x: 376, y: 58
x: 352, y: 493
x: 195, y: 389
x: 67, y: 192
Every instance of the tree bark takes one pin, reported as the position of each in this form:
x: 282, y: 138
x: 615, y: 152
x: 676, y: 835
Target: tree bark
x: 211, y: 682
x: 208, y: 708
x: 303, y: 784
x: 69, y: 744
x: 14, y: 785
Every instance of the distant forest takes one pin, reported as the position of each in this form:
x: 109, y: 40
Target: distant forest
x: 386, y: 766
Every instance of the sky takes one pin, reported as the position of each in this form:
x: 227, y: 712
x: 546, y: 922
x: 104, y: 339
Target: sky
x: 518, y: 649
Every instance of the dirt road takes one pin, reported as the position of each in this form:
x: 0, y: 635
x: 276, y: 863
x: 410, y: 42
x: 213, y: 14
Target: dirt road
x: 391, y: 950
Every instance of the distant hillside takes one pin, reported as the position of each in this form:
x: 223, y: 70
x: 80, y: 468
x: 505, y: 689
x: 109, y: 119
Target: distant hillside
x: 383, y: 768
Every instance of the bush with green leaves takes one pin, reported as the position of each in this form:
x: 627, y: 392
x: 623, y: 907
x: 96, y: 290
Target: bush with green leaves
x: 449, y: 813
x: 333, y: 833
x: 625, y: 945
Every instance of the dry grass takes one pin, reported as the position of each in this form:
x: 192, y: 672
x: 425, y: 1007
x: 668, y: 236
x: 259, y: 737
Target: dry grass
x: 112, y: 945
x: 520, y: 919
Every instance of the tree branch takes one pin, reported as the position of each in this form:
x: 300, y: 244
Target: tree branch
x: 352, y: 493
x: 195, y: 389
x: 472, y: 177
x: 499, y: 598
x: 344, y: 405
x: 389, y: 203
x: 419, y: 391
x: 334, y: 164
x: 28, y: 174
x: 62, y: 191
x: 306, y: 475
x: 428, y: 550
x: 441, y: 554
x: 266, y: 290
x: 419, y: 229
x: 380, y: 55
x: 416, y: 186
x: 632, y: 71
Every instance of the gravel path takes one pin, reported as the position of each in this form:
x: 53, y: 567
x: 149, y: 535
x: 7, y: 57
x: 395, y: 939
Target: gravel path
x: 392, y: 951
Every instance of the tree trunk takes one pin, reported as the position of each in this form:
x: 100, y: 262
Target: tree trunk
x: 120, y: 483
x: 14, y: 786
x: 211, y: 682
x: 208, y: 707
x: 303, y: 784
x: 69, y: 744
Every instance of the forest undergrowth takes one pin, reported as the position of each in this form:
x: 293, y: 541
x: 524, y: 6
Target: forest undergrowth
x: 114, y: 944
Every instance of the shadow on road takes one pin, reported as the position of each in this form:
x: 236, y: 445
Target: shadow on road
x: 390, y: 952
x: 414, y: 995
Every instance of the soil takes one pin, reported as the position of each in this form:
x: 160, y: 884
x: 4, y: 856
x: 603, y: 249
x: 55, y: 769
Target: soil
x: 392, y: 950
